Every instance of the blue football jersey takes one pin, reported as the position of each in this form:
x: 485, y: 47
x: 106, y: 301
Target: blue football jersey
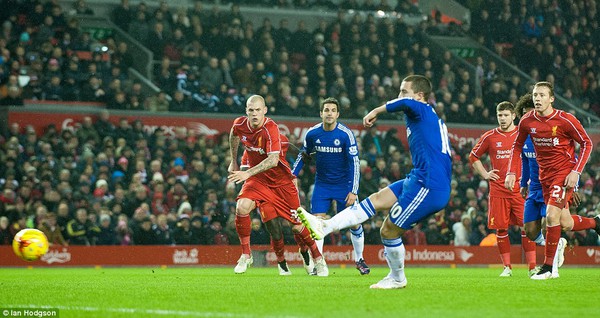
x: 530, y: 168
x: 336, y: 156
x: 428, y: 143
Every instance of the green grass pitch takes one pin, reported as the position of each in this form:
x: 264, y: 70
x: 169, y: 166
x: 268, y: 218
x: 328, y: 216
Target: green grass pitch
x: 218, y: 292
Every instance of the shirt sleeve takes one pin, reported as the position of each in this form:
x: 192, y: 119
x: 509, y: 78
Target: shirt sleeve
x: 409, y: 106
x: 481, y: 148
x: 514, y: 162
x: 524, y: 170
x: 580, y: 136
x: 299, y: 163
x: 353, y: 160
x: 272, y: 142
x: 307, y: 147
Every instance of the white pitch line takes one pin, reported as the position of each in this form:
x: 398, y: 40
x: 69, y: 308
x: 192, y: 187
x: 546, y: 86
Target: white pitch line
x: 164, y: 312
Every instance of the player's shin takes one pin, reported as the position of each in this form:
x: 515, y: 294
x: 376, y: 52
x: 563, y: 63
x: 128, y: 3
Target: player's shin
x: 529, y: 249
x: 540, y: 239
x: 504, y: 246
x: 350, y: 216
x: 395, y: 252
x: 300, y: 242
x: 552, y: 237
x: 308, y: 241
x: 244, y: 228
x: 582, y: 223
x: 358, y: 242
x: 279, y: 249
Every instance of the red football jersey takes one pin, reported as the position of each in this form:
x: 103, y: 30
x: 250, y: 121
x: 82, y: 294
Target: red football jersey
x: 285, y: 142
x: 554, y: 140
x: 260, y: 142
x: 497, y: 145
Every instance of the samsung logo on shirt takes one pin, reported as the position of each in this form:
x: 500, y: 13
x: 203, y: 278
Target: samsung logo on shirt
x: 328, y: 149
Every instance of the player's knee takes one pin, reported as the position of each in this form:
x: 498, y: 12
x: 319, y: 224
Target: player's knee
x: 244, y: 207
x: 297, y: 228
x: 383, y: 199
x: 390, y: 230
x: 531, y: 234
x: 566, y: 227
x: 531, y: 231
x: 502, y: 232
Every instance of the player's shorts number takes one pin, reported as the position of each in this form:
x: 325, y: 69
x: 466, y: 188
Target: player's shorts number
x: 558, y: 192
x: 395, y: 210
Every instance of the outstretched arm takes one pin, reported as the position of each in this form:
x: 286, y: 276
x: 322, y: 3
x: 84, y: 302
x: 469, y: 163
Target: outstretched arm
x: 371, y: 117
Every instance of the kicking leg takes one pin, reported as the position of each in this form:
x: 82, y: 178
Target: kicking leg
x: 350, y: 216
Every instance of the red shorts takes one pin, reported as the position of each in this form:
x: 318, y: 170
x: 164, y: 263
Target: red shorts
x: 554, y: 190
x: 281, y: 201
x: 504, y: 212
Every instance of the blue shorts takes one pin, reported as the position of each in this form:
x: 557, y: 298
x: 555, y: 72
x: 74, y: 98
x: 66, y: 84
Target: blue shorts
x: 535, y: 207
x: 415, y: 202
x: 324, y: 194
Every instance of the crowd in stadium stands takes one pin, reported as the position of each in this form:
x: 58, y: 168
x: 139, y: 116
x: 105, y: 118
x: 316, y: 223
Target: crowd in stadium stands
x: 555, y: 41
x: 209, y: 60
x: 101, y: 184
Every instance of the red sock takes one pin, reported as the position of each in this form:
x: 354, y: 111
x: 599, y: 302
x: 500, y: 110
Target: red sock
x: 504, y: 247
x: 529, y: 249
x: 552, y: 237
x: 300, y: 242
x: 243, y: 227
x: 307, y: 241
x: 581, y: 223
x: 278, y: 247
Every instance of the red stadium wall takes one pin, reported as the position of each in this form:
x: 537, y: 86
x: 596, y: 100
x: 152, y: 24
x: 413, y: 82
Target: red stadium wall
x: 228, y: 255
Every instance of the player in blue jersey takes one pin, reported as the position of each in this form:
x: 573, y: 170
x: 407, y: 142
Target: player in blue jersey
x: 338, y: 171
x: 531, y: 190
x: 424, y: 191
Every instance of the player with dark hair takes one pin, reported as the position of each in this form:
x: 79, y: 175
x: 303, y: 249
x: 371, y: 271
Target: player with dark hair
x: 424, y: 191
x: 505, y: 206
x: 553, y: 133
x: 338, y: 171
x: 268, y: 184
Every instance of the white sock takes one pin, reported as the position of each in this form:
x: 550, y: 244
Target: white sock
x: 320, y: 245
x: 358, y: 242
x: 394, y: 254
x: 540, y: 239
x: 350, y: 216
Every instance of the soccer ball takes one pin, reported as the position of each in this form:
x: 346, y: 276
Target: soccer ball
x: 30, y: 244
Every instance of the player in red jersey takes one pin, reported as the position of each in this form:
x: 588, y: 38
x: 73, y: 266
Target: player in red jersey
x: 554, y: 133
x: 505, y: 206
x: 268, y: 184
x: 274, y: 227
